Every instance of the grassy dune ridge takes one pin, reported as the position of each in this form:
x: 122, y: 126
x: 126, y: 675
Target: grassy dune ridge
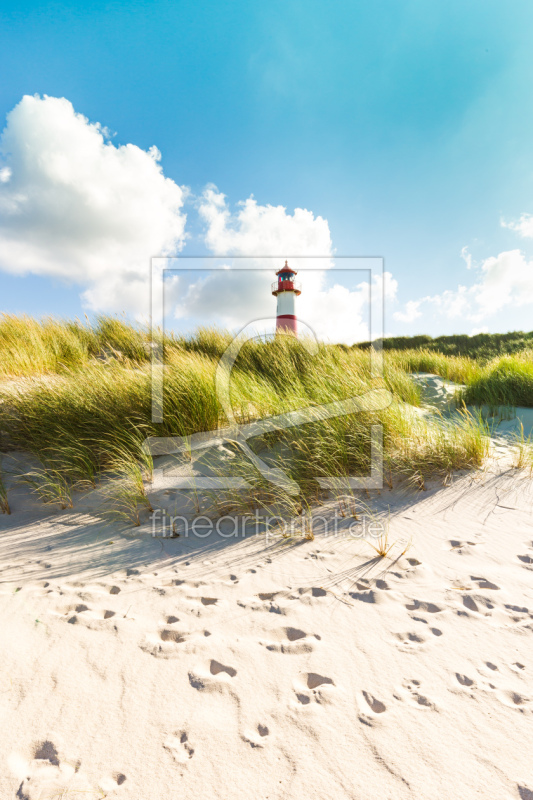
x: 482, y: 347
x: 78, y: 396
x: 503, y: 380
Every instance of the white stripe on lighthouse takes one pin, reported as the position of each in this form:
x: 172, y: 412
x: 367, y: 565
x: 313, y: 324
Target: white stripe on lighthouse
x: 286, y: 303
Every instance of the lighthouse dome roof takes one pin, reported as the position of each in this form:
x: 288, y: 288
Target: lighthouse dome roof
x: 286, y: 268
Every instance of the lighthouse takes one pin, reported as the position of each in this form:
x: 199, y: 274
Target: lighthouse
x: 286, y: 289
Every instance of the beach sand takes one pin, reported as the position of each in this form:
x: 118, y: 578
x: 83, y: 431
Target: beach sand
x: 144, y: 668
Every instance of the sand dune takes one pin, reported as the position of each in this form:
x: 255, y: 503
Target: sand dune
x: 138, y: 668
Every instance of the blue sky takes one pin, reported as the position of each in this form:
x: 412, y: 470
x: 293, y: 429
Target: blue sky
x: 407, y: 126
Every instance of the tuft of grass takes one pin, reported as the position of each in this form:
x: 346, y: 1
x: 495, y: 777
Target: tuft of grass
x: 460, y: 369
x: 381, y: 544
x: 32, y: 347
x: 50, y: 485
x: 126, y: 492
x: 523, y: 450
x: 507, y: 380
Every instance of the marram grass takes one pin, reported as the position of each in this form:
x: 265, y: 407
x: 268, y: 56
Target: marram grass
x: 507, y: 380
x: 82, y: 405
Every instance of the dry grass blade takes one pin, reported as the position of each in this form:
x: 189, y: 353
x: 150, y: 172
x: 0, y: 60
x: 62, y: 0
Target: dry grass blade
x: 126, y: 491
x: 523, y: 450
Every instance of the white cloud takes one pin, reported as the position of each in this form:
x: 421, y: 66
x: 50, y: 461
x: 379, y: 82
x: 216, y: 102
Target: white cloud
x: 467, y: 257
x: 523, y: 226
x: 453, y: 302
x: 77, y: 207
x: 483, y: 329
x: 507, y: 280
x: 502, y: 281
x: 411, y: 311
x: 254, y: 232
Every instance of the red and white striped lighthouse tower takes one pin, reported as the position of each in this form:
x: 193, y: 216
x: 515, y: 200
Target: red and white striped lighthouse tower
x: 286, y: 289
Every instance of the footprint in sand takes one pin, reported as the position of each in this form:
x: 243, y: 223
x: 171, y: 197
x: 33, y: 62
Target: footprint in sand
x: 111, y: 783
x: 291, y: 641
x: 519, y: 614
x: 215, y: 668
x: 483, y: 583
x: 368, y: 596
x: 514, y: 699
x: 464, y: 680
x: 213, y: 677
x: 418, y: 605
x: 508, y: 696
x: 172, y: 636
x: 48, y: 774
x: 256, y: 738
x: 370, y: 708
x: 478, y: 604
x: 415, y: 696
x: 179, y: 747
x: 461, y: 547
x: 86, y: 616
x: 314, y: 680
x: 434, y: 631
x: 166, y: 643
x: 410, y: 640
x: 316, y: 684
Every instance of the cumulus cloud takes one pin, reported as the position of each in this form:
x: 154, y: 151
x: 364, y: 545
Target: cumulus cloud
x: 75, y: 206
x: 247, y: 237
x: 262, y: 230
x: 410, y: 313
x: 523, y: 225
x: 502, y: 281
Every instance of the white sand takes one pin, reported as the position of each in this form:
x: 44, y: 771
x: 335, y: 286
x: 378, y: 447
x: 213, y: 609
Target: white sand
x: 507, y: 423
x: 145, y: 669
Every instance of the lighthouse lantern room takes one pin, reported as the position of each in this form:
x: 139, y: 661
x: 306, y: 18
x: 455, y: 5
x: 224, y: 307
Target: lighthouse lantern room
x: 286, y: 289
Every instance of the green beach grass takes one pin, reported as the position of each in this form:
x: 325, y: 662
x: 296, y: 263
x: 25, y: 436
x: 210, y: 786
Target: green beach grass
x: 78, y: 396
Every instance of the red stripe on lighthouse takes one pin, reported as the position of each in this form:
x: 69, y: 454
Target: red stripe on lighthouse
x: 287, y: 323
